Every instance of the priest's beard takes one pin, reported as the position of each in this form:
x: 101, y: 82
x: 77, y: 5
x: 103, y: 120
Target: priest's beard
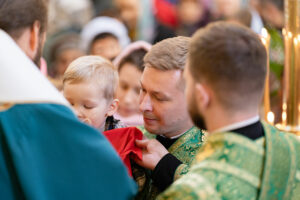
x: 196, y: 116
x: 38, y: 55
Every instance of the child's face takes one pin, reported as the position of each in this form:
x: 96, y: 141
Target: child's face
x: 65, y: 58
x: 129, y: 89
x: 108, y: 48
x: 88, y: 102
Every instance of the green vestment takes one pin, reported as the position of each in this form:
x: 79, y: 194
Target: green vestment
x: 231, y: 166
x: 185, y: 148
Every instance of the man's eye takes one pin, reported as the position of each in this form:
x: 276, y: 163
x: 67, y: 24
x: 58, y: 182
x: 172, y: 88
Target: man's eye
x: 160, y: 98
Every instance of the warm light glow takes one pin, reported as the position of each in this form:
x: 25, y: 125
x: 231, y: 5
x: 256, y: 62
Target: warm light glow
x: 264, y: 33
x: 270, y: 117
x: 290, y: 115
x: 284, y: 106
x: 283, y: 31
x: 283, y: 116
x: 295, y: 41
x: 298, y: 38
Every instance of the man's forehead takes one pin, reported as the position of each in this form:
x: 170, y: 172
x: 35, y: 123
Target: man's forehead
x: 160, y: 81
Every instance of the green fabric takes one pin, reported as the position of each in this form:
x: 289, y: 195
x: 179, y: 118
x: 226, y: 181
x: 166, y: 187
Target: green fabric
x: 184, y: 149
x: 47, y: 154
x: 231, y: 166
x: 276, y: 52
x: 276, y: 67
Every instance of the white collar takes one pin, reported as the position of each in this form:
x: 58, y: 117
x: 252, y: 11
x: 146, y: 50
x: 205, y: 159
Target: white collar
x: 20, y: 79
x: 176, y: 136
x: 237, y: 125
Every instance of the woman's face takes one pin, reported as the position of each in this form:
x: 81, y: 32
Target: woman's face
x: 129, y: 11
x: 189, y: 11
x: 108, y: 48
x: 129, y: 89
x: 227, y: 8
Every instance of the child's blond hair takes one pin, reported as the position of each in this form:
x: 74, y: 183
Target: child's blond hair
x: 94, y: 68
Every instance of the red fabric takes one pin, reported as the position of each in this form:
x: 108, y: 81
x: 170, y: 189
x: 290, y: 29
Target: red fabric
x: 166, y: 12
x: 123, y: 140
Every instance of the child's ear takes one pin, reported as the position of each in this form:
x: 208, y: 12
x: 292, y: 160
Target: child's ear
x: 113, y: 107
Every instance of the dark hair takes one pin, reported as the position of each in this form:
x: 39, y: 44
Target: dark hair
x: 63, y: 42
x: 232, y: 60
x: 135, y: 58
x: 278, y: 3
x: 243, y: 16
x: 15, y: 15
x: 102, y: 36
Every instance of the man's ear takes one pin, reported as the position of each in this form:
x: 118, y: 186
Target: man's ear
x: 202, y: 95
x: 34, y: 39
x: 113, y: 107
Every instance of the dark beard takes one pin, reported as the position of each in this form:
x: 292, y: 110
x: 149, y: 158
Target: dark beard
x: 196, y: 117
x: 198, y: 120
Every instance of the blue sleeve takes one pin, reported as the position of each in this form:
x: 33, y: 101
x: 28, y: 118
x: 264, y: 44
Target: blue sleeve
x: 49, y: 154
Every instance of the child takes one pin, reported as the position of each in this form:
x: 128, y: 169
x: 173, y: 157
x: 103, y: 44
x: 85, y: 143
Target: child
x: 130, y: 66
x: 90, y: 84
x: 104, y: 36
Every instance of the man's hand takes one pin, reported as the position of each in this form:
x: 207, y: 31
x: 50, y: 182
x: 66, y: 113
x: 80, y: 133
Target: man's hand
x: 153, y: 152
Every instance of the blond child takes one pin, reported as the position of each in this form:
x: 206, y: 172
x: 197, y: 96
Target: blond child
x: 90, y: 84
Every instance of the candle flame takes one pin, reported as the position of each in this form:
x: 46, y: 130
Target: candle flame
x: 284, y: 106
x: 270, y: 117
x: 283, y: 116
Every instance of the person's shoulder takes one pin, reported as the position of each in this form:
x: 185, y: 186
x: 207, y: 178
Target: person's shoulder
x: 276, y: 132
x: 191, y: 186
x: 41, y: 108
x: 51, y: 118
x: 195, y: 132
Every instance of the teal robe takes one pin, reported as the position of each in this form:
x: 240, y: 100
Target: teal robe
x: 231, y: 166
x: 46, y: 153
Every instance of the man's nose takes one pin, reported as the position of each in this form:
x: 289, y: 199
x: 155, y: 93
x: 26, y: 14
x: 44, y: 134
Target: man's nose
x: 145, y: 103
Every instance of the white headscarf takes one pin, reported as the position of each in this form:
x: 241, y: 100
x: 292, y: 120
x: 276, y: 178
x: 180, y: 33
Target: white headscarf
x: 104, y: 25
x: 20, y: 80
x: 130, y: 48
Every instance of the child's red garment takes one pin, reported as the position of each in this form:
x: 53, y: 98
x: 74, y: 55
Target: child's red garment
x: 123, y: 140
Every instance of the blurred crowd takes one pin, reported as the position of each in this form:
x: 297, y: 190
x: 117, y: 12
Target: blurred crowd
x: 107, y: 28
x: 175, y: 86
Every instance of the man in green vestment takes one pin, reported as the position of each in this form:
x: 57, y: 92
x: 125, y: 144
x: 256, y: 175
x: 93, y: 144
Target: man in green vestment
x: 172, y: 141
x: 243, y: 158
x: 45, y: 151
